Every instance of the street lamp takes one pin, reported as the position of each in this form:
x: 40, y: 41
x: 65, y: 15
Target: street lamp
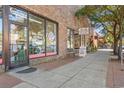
x: 83, y: 32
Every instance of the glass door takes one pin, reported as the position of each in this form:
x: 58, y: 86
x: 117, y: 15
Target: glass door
x: 18, y: 37
x: 18, y: 45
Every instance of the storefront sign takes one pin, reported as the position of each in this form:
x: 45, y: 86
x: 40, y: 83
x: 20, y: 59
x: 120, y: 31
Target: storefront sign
x: 83, y: 31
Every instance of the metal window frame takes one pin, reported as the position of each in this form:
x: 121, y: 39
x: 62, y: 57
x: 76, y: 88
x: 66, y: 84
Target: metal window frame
x: 43, y: 32
x: 23, y: 25
x: 56, y: 36
x: 6, y: 29
x: 57, y: 30
x: 71, y: 30
x: 45, y: 19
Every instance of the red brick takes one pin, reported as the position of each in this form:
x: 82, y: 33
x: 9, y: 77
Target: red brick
x: 115, y: 77
x: 7, y: 81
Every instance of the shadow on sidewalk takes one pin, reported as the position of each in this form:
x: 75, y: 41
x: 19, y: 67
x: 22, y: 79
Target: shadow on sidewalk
x: 56, y: 63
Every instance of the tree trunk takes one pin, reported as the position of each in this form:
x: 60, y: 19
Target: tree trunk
x: 115, y: 48
x: 115, y: 45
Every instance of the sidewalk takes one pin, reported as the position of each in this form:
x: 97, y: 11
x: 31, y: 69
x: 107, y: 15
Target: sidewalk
x: 84, y: 72
x: 115, y: 76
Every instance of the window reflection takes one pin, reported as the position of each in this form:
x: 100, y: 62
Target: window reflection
x: 17, y: 15
x: 18, y: 43
x: 70, y: 35
x: 36, y: 37
x: 1, y: 37
x: 50, y: 38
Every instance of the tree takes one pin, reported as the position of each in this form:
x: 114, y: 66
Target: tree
x: 109, y: 17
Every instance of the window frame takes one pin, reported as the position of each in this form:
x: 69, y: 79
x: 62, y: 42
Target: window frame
x: 25, y: 24
x: 6, y: 32
x: 43, y: 33
x: 55, y: 31
x: 45, y: 19
x: 70, y: 36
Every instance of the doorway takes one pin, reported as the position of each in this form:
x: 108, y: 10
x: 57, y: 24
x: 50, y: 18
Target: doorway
x: 18, y: 38
x: 18, y: 45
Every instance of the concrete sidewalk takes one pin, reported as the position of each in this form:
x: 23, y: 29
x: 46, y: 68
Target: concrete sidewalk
x: 89, y: 72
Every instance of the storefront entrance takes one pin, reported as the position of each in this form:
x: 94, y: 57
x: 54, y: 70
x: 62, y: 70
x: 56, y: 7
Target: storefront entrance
x: 18, y: 37
x: 18, y: 45
x: 25, y: 36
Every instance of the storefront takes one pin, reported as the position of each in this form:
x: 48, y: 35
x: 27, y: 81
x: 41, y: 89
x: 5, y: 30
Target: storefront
x: 24, y: 36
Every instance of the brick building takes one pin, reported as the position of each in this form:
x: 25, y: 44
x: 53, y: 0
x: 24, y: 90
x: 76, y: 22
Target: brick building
x: 33, y: 34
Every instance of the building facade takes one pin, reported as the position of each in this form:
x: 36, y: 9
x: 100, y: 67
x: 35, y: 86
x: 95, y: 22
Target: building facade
x: 34, y: 34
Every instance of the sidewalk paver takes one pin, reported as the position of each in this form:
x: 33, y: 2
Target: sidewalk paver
x: 24, y: 85
x: 89, y: 71
x: 42, y: 79
x: 77, y: 83
x: 115, y: 76
x: 7, y: 81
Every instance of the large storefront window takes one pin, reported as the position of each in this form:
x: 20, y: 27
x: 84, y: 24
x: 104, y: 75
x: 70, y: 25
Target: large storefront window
x: 70, y: 40
x: 17, y: 15
x: 36, y: 37
x: 1, y: 37
x: 51, y: 38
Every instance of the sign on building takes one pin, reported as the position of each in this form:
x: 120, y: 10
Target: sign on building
x: 83, y: 31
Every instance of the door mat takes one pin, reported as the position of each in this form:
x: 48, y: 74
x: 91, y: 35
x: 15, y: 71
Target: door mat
x: 28, y: 70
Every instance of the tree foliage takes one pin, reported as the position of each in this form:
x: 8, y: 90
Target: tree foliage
x: 110, y: 17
